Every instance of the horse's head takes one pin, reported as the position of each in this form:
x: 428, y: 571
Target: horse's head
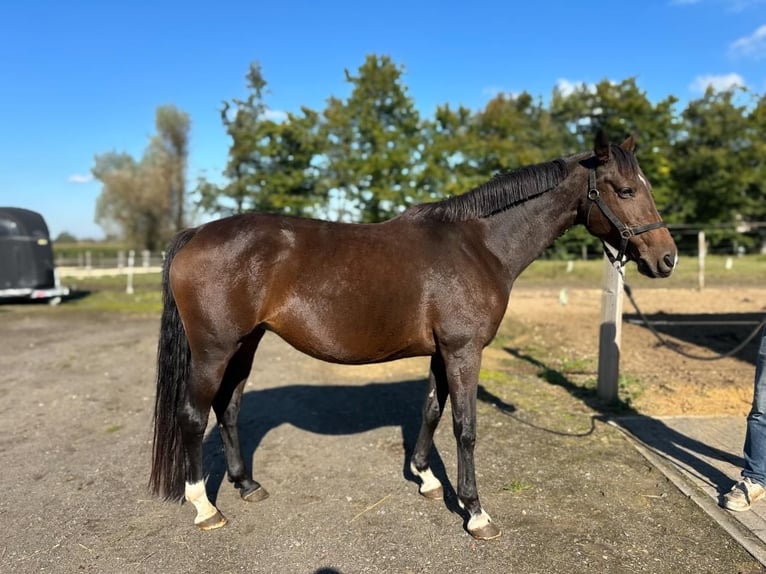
x: 620, y: 209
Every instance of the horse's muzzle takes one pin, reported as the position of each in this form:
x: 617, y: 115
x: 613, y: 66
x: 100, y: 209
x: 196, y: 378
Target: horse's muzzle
x: 663, y: 267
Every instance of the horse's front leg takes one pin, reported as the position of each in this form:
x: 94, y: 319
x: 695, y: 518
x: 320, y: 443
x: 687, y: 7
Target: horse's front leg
x: 463, y: 377
x: 436, y: 397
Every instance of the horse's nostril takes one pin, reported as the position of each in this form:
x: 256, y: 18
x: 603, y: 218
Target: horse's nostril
x: 669, y: 261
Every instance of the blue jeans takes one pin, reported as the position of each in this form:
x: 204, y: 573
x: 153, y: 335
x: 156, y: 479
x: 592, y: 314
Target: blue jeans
x: 755, y: 436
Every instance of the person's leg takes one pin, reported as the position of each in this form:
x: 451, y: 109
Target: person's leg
x: 755, y: 437
x: 752, y: 487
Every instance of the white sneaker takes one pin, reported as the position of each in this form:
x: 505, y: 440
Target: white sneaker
x: 743, y: 495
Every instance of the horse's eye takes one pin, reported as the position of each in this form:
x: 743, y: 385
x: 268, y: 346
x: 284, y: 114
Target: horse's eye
x: 625, y: 192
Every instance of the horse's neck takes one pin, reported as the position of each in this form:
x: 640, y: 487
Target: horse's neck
x: 519, y: 235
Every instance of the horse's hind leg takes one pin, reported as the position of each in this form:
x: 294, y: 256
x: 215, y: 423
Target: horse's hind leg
x: 226, y: 405
x: 433, y: 408
x: 193, y: 417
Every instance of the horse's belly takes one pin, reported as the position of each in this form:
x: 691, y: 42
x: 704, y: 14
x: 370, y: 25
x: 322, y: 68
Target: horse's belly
x: 357, y: 347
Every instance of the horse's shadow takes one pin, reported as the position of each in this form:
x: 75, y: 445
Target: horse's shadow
x: 330, y: 410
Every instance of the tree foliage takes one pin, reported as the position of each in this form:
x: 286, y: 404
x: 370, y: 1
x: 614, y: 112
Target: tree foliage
x: 170, y: 147
x: 143, y: 201
x: 368, y: 155
x: 271, y: 163
x: 373, y: 137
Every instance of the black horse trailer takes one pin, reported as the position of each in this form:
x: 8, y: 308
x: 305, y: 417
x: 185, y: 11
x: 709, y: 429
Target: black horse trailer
x: 27, y: 270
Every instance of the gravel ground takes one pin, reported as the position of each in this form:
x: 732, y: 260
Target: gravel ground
x: 329, y: 442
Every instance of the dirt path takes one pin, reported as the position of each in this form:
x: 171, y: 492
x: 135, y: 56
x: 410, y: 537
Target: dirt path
x: 660, y: 381
x: 328, y: 442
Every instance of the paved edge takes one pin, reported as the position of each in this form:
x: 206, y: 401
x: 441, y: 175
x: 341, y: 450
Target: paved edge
x: 731, y: 525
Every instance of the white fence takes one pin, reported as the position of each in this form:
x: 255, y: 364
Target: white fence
x: 124, y: 263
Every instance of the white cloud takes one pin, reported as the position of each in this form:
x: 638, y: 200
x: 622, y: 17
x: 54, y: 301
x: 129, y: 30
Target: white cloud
x: 753, y: 46
x: 730, y: 5
x: 565, y: 87
x: 720, y: 83
x: 80, y: 178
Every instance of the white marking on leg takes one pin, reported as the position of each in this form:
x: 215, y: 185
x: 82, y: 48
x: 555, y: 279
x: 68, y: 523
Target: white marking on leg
x: 432, y: 393
x: 429, y: 482
x: 196, y: 494
x: 478, y: 521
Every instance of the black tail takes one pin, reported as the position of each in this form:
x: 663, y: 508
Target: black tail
x: 173, y: 365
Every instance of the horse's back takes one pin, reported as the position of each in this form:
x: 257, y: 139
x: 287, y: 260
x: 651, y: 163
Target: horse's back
x: 349, y: 293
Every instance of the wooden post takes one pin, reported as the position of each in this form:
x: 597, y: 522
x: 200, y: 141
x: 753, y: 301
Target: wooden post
x: 701, y: 253
x: 131, y: 263
x: 610, y: 333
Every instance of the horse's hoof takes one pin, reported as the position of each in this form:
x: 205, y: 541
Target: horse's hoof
x: 430, y: 487
x: 216, y: 521
x: 487, y: 532
x: 433, y: 494
x: 255, y: 495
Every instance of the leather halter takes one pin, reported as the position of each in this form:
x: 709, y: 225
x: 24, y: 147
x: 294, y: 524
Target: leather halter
x: 626, y: 232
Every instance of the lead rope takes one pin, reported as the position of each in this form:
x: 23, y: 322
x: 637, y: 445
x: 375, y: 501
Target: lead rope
x: 673, y: 347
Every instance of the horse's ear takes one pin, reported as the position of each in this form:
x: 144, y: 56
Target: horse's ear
x: 601, y: 147
x: 629, y: 144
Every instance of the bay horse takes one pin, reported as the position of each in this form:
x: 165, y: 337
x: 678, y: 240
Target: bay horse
x: 433, y: 281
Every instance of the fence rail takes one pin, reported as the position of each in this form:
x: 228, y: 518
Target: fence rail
x: 120, y: 260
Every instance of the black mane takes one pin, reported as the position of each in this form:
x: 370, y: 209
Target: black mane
x: 626, y: 161
x: 498, y: 194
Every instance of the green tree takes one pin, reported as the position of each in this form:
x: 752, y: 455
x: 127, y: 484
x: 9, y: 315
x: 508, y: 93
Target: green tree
x: 241, y: 119
x: 505, y: 134
x: 709, y: 160
x: 65, y: 237
x: 464, y: 149
x: 444, y: 167
x: 754, y: 160
x: 290, y: 177
x: 131, y: 205
x: 272, y: 164
x: 142, y: 201
x: 171, y: 146
x: 373, y: 137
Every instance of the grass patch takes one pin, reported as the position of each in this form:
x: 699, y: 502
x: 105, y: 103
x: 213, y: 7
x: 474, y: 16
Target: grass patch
x: 492, y: 375
x: 516, y: 486
x: 577, y: 365
x: 109, y: 294
x: 720, y: 271
x: 629, y: 389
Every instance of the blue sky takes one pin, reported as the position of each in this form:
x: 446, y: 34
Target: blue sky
x: 80, y: 78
